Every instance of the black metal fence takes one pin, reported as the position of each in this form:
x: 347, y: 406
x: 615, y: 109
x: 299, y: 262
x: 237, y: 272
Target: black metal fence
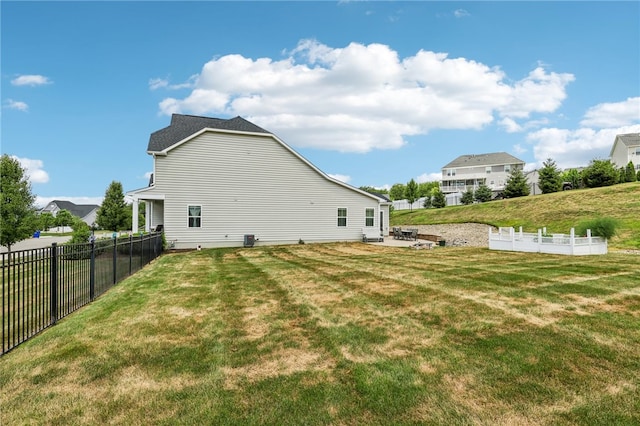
x: 41, y: 286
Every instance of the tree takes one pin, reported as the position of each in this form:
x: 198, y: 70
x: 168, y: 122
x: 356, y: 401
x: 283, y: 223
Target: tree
x: 425, y: 188
x: 397, y: 191
x: 427, y: 202
x: 370, y: 189
x: 439, y: 200
x: 550, y: 178
x: 600, y: 173
x: 483, y: 194
x: 516, y: 185
x: 638, y: 175
x: 64, y: 218
x: 46, y: 221
x: 630, y: 173
x: 112, y: 213
x: 17, y: 213
x: 467, y: 197
x: 574, y: 177
x: 411, y: 192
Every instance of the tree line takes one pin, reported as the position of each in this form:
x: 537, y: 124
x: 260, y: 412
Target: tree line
x: 20, y: 219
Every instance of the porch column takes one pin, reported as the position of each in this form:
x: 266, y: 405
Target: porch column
x: 134, y: 217
x: 148, y: 208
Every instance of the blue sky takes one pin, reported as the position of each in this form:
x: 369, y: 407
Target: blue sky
x: 373, y: 93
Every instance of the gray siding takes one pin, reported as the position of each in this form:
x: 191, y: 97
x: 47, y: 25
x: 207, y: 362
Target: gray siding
x: 251, y: 184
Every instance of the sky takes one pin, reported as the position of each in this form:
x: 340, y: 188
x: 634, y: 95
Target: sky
x: 372, y: 93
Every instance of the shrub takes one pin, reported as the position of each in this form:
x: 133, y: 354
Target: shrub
x: 604, y: 227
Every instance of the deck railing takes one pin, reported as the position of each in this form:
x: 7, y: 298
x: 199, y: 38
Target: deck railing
x: 541, y: 242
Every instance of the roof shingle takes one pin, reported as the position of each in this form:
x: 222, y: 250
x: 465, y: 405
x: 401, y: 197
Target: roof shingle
x: 478, y: 160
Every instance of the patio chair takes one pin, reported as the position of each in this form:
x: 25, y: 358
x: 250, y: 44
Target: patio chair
x: 414, y: 234
x: 397, y: 233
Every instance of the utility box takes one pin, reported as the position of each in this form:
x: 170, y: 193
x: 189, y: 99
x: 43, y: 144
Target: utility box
x: 249, y: 240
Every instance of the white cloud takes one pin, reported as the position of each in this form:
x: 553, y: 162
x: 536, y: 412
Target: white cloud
x: 163, y: 83
x: 461, y: 13
x: 575, y: 148
x: 613, y: 114
x: 429, y: 177
x: 341, y: 178
x: 364, y: 97
x: 43, y: 201
x: 19, y: 105
x: 33, y: 169
x: 31, y: 80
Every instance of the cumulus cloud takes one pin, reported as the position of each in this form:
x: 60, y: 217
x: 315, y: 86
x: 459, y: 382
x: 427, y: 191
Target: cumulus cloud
x: 31, y: 80
x: 19, y: 105
x: 341, y: 178
x: 33, y: 169
x: 364, y: 97
x: 613, y: 114
x: 429, y: 177
x: 575, y: 148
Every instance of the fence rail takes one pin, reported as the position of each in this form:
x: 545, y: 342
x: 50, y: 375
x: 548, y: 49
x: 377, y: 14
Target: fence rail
x: 41, y: 286
x: 510, y: 240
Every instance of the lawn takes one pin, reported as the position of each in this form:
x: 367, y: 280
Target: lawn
x: 343, y: 334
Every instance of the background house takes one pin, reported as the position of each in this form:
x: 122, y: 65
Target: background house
x: 471, y: 171
x: 216, y: 181
x: 86, y: 212
x: 626, y: 148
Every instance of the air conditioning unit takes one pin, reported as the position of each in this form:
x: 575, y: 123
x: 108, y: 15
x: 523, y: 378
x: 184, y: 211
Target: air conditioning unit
x: 249, y: 240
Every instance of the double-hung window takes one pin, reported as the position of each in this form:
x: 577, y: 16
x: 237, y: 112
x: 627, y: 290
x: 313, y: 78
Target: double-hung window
x: 342, y: 216
x: 195, y: 216
x: 369, y: 217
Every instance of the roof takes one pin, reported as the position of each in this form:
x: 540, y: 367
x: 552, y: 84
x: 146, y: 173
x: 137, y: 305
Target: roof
x: 183, y: 126
x: 79, y: 210
x: 476, y: 160
x: 629, y: 139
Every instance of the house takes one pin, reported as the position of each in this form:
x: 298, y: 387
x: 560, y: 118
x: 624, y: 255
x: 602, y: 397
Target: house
x: 626, y: 148
x: 471, y: 171
x: 86, y: 212
x: 227, y: 182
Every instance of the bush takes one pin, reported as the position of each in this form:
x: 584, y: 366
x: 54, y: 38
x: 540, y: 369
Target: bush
x: 604, y: 227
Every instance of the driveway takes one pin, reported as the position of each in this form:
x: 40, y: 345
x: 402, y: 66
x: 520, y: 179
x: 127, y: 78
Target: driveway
x: 34, y: 243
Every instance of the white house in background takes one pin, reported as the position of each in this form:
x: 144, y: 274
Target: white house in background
x: 86, y: 212
x: 626, y: 148
x: 471, y: 171
x: 217, y: 182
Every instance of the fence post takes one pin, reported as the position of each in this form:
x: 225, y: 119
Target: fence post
x: 53, y: 283
x: 572, y: 240
x: 115, y: 255
x: 92, y: 272
x: 130, y: 252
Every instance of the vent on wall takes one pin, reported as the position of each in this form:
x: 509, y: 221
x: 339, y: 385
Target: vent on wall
x: 249, y: 240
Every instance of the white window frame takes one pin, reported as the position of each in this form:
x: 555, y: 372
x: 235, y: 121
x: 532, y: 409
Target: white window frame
x: 507, y: 168
x: 343, y: 217
x: 368, y: 218
x: 487, y: 169
x: 189, y: 217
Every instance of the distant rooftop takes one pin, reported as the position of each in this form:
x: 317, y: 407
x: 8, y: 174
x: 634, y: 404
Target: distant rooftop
x: 477, y: 160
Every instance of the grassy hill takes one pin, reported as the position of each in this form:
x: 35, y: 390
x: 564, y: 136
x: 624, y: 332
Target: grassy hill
x: 559, y: 212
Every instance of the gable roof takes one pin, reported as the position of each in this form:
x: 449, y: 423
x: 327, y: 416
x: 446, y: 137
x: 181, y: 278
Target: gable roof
x: 629, y: 139
x: 183, y: 126
x: 79, y: 210
x: 476, y: 160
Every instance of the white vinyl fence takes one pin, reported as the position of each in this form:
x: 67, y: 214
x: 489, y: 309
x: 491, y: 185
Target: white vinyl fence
x: 510, y: 240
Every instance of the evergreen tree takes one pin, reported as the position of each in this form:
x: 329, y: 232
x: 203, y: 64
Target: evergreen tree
x: 483, y: 194
x: 427, y: 202
x: 549, y: 177
x: 467, y: 197
x: 112, y: 213
x: 516, y: 185
x: 411, y: 192
x: 17, y: 213
x: 438, y: 200
x: 630, y: 173
x: 600, y: 173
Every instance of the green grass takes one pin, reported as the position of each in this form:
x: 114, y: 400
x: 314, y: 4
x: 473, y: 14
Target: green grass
x: 558, y: 212
x: 343, y: 334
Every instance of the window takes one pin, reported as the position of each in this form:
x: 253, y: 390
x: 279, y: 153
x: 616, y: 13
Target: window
x: 451, y: 172
x: 637, y: 151
x: 507, y: 168
x: 369, y: 216
x: 195, y: 216
x: 342, y: 216
x: 487, y: 169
